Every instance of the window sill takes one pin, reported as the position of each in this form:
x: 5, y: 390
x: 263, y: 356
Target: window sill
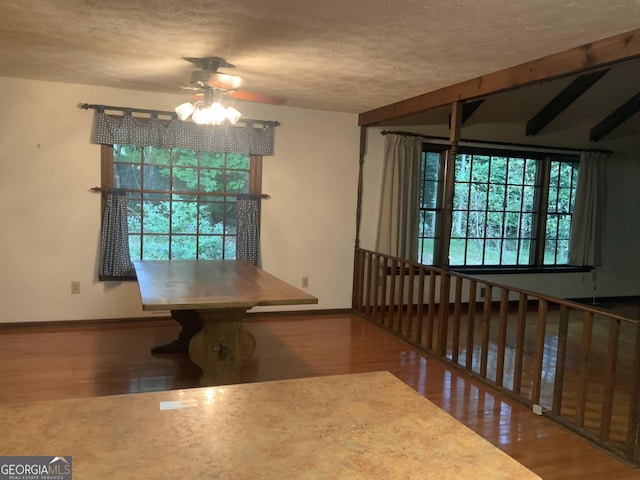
x: 126, y: 278
x: 497, y: 270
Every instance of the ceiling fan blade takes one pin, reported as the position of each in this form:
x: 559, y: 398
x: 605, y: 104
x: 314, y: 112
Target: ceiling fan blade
x: 256, y: 97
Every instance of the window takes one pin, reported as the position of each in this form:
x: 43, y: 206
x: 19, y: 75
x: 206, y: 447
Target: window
x: 181, y: 204
x: 510, y: 209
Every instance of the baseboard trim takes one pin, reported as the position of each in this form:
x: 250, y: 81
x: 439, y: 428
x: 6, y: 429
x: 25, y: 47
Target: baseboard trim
x: 251, y: 316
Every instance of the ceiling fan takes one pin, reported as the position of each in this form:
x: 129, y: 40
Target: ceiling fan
x: 213, y: 86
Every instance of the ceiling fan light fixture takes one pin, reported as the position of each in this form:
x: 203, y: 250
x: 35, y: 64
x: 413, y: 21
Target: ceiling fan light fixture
x: 232, y: 115
x: 202, y: 115
x: 218, y: 113
x: 185, y: 110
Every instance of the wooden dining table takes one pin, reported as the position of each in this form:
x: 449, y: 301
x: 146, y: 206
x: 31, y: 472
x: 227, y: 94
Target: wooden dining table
x: 219, y: 293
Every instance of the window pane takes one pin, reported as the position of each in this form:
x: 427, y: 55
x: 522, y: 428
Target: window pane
x: 230, y: 247
x: 459, y: 225
x: 429, y: 195
x: 212, y: 160
x: 498, y: 170
x: 525, y: 252
x: 155, y: 247
x: 212, y: 180
x: 457, y: 252
x: 480, y: 168
x: 134, y: 216
x: 155, y: 178
x: 183, y: 247
x: 475, y: 251
x: 127, y: 175
x: 184, y: 178
x: 230, y: 219
x: 134, y: 247
x: 181, y: 157
x: 210, y: 247
x: 156, y: 156
x: 237, y: 181
x: 155, y: 217
x: 425, y: 251
x: 514, y: 198
x: 463, y: 168
x: 184, y: 218
x: 237, y: 161
x: 127, y: 154
x: 516, y: 171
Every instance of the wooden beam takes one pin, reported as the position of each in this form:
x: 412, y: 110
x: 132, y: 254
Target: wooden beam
x: 620, y: 115
x: 565, y: 98
x: 589, y: 57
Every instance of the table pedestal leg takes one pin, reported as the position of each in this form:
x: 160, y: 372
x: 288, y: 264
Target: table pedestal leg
x: 222, y: 346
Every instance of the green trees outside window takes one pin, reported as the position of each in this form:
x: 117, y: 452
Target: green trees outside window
x: 504, y: 206
x: 181, y: 203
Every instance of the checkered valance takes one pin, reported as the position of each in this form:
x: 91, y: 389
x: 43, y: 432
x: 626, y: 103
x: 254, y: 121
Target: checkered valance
x: 152, y: 132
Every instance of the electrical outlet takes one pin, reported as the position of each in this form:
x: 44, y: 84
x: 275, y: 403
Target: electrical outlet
x: 305, y: 282
x: 75, y: 287
x: 537, y: 409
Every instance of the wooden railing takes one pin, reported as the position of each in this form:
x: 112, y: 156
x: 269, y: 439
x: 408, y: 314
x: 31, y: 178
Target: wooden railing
x: 577, y: 364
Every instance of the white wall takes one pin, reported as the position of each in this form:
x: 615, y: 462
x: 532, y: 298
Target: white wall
x: 51, y: 222
x: 620, y: 273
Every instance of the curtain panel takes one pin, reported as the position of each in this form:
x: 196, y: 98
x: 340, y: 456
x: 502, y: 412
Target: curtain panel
x: 400, y: 210
x: 115, y: 260
x: 152, y: 132
x: 248, y: 229
x: 587, y: 224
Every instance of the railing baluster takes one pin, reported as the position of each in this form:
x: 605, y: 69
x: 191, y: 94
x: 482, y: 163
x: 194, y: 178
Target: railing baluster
x: 471, y: 324
x: 443, y: 314
x: 539, y: 355
x: 368, y: 270
x: 486, y: 330
x: 610, y: 378
x: 358, y: 280
x: 420, y: 298
x: 392, y: 294
x: 523, y: 303
x: 410, y: 302
x: 431, y: 311
x: 401, y: 303
x: 502, y: 335
x: 558, y: 386
x: 457, y: 313
x: 376, y: 287
x: 583, y: 377
x: 383, y: 293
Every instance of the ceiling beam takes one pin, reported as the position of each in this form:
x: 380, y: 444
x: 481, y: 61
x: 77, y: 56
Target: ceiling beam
x: 589, y: 57
x: 566, y: 97
x: 615, y: 118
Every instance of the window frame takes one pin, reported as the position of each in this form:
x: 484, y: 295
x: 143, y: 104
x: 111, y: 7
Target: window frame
x: 108, y: 170
x: 542, y: 186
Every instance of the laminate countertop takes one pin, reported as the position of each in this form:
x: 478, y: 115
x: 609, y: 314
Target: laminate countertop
x: 357, y: 426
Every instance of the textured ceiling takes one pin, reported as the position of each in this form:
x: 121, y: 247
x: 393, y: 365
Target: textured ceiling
x: 342, y: 55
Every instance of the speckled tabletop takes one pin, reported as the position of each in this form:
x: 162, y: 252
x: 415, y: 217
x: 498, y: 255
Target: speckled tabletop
x: 361, y: 426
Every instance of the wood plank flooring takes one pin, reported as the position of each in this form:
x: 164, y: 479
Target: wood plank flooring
x: 54, y: 362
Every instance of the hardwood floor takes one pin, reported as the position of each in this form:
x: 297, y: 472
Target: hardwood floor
x: 55, y: 362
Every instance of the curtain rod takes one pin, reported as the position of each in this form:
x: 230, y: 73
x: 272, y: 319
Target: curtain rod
x: 249, y: 195
x: 155, y: 113
x: 501, y: 144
